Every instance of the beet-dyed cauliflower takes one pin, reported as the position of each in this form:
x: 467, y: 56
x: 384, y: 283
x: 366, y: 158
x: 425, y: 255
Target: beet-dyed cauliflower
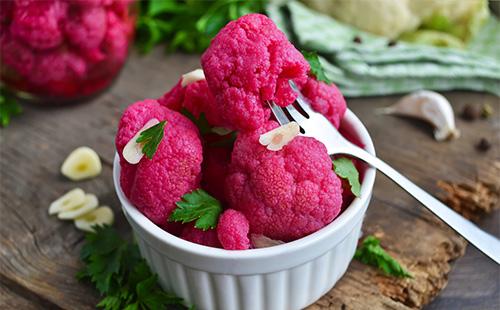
x: 232, y: 230
x: 287, y: 194
x: 196, y: 98
x: 249, y: 62
x: 38, y: 23
x: 325, y: 99
x: 203, y: 237
x: 155, y: 185
x: 86, y: 27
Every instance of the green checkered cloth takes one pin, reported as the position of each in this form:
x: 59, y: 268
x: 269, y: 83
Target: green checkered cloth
x: 372, y: 67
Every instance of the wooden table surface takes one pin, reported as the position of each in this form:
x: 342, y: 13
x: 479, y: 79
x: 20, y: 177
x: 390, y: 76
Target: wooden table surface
x: 39, y: 254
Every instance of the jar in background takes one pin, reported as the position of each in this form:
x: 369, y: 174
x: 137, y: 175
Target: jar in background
x: 63, y: 50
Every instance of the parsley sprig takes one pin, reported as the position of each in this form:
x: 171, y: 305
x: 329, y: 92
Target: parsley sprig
x: 9, y: 107
x: 316, y: 67
x: 187, y: 25
x: 151, y: 138
x: 122, y: 277
x: 371, y: 253
x: 345, y: 169
x: 197, y: 206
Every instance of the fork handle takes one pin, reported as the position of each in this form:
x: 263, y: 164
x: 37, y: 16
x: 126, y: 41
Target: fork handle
x: 483, y: 241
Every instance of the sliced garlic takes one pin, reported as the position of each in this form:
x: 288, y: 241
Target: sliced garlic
x: 81, y: 164
x: 132, y: 152
x: 221, y: 131
x: 90, y: 203
x: 431, y: 107
x: 192, y: 77
x: 98, y: 217
x: 71, y: 199
x: 261, y: 241
x: 277, y: 138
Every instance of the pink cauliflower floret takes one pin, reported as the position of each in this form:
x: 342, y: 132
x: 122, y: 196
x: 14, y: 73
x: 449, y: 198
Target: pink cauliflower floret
x: 38, y: 23
x: 155, y: 185
x: 207, y: 237
x: 287, y: 194
x: 325, y: 99
x: 196, y: 98
x: 249, y: 62
x: 16, y: 55
x: 57, y: 66
x: 232, y: 230
x: 85, y: 28
x: 115, y: 43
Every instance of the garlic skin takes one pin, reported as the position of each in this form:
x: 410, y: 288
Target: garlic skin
x: 431, y: 107
x: 192, y: 77
x: 132, y: 152
x: 276, y: 139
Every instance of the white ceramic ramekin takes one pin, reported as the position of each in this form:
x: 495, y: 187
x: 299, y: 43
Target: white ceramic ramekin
x: 288, y: 276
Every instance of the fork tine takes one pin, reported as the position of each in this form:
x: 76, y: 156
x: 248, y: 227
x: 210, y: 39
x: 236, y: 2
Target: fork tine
x: 295, y: 114
x: 278, y: 113
x: 301, y: 101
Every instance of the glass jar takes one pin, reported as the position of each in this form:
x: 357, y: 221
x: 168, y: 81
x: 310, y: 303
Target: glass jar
x: 63, y: 50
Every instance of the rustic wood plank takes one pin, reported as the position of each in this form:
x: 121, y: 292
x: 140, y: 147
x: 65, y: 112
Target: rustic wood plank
x: 39, y: 254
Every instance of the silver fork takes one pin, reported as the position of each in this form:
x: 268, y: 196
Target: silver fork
x: 317, y: 126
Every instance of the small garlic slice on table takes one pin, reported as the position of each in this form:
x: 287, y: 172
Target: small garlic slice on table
x: 90, y: 203
x: 81, y: 164
x: 132, y: 152
x: 71, y: 199
x: 98, y: 217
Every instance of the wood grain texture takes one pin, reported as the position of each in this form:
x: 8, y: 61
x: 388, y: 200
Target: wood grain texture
x: 39, y: 254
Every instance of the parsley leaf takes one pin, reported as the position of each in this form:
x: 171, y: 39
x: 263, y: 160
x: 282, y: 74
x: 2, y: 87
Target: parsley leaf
x: 345, y: 169
x: 187, y: 25
x: 316, y: 68
x: 9, y: 107
x: 200, y: 122
x: 200, y: 206
x: 151, y: 138
x: 122, y: 277
x: 371, y: 253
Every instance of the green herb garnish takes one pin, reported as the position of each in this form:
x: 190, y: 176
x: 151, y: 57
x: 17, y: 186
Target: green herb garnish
x: 187, y: 25
x: 345, y: 169
x: 316, y: 67
x: 151, y: 138
x: 371, y: 253
x: 200, y: 206
x: 122, y: 277
x: 9, y: 107
x: 200, y: 122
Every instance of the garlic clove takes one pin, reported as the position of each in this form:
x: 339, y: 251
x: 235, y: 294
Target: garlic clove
x: 71, y: 199
x: 431, y: 107
x: 90, y: 203
x: 277, y: 138
x: 81, y: 164
x: 132, y: 152
x: 192, y: 77
x: 221, y: 131
x: 98, y: 217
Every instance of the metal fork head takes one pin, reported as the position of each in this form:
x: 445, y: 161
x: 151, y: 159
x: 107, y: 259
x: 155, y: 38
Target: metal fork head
x: 313, y: 124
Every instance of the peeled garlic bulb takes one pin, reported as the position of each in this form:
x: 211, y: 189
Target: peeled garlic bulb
x: 71, y: 199
x: 192, y: 77
x: 81, y: 164
x: 98, y: 217
x: 132, y: 152
x: 277, y: 138
x: 90, y: 203
x: 431, y: 107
